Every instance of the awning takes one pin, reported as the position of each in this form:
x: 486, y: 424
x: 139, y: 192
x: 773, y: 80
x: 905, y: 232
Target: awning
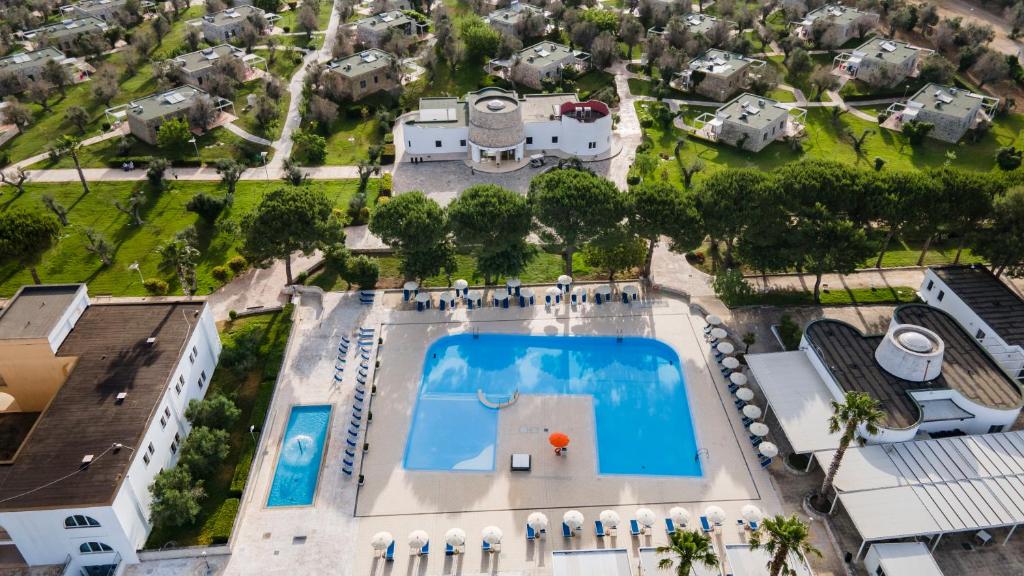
x: 906, y: 558
x: 608, y: 562
x: 799, y: 398
x: 649, y: 559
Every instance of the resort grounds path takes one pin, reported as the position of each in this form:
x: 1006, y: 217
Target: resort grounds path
x: 208, y: 173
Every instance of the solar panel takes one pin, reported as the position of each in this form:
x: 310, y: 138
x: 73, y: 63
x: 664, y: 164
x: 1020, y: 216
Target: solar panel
x: 888, y: 46
x: 174, y: 98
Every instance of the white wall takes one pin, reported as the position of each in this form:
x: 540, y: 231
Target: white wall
x: 67, y: 321
x: 420, y: 139
x: 576, y: 135
x: 984, y: 416
x: 42, y: 538
x: 542, y: 133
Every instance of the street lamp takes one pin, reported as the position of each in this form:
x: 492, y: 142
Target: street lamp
x: 135, y: 266
x: 263, y: 156
x: 252, y: 432
x: 193, y: 142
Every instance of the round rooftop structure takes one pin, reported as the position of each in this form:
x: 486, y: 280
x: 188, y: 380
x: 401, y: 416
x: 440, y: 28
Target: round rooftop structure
x: 495, y: 120
x: 911, y: 352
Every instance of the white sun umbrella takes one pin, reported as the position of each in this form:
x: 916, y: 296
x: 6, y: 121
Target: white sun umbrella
x: 645, y: 516
x: 630, y: 289
x: 423, y: 297
x: 460, y: 285
x: 492, y: 535
x: 564, y: 280
x: 553, y: 291
x: 718, y: 333
x: 538, y: 521
x: 751, y: 411
x: 680, y: 516
x: 745, y: 394
x: 768, y: 450
x: 713, y: 320
x: 603, y: 289
x: 410, y: 285
x: 610, y: 518
x: 381, y: 540
x: 574, y: 519
x: 731, y: 363
x: 751, y: 513
x: 725, y: 347
x: 759, y: 429
x: 418, y: 539
x: 513, y: 283
x: 738, y: 379
x: 455, y: 537
x: 715, y: 514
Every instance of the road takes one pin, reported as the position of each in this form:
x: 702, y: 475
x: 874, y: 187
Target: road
x: 972, y: 12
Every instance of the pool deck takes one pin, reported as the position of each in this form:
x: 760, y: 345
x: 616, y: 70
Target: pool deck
x: 333, y: 535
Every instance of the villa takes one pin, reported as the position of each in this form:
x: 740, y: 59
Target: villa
x: 952, y: 111
x: 375, y: 30
x: 541, y: 62
x: 842, y: 22
x: 20, y: 68
x: 880, y: 62
x: 196, y: 67
x: 227, y: 24
x: 497, y: 125
x: 65, y: 35
x: 987, y: 308
x: 365, y: 73
x: 94, y: 396
x: 511, y: 20
x: 717, y: 74
x: 145, y: 115
x: 750, y: 122
x: 105, y: 10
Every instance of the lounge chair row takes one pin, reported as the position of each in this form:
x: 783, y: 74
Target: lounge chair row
x: 365, y: 340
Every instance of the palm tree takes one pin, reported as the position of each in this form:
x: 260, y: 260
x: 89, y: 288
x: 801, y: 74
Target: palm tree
x: 779, y: 536
x: 858, y: 409
x: 688, y: 548
x: 68, y: 144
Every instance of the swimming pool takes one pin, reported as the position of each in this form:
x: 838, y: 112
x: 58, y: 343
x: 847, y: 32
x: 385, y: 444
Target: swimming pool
x: 302, y: 451
x: 641, y: 412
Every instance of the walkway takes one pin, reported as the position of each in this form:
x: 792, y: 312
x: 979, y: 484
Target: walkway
x: 206, y: 173
x: 234, y: 129
x: 120, y: 131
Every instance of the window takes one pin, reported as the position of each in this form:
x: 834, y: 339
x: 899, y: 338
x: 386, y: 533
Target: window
x: 79, y: 521
x: 462, y: 143
x: 437, y: 143
x: 554, y: 139
x: 174, y: 444
x: 180, y: 384
x: 165, y: 417
x: 202, y: 378
x: 764, y: 137
x: 94, y: 548
x: 591, y: 145
x: 931, y: 284
x: 145, y: 458
x: 362, y: 83
x: 980, y: 334
x: 375, y: 80
x: 942, y: 294
x: 151, y: 449
x: 193, y: 355
x: 995, y: 429
x: 529, y: 139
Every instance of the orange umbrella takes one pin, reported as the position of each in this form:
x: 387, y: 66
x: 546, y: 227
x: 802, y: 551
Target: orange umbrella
x: 558, y: 440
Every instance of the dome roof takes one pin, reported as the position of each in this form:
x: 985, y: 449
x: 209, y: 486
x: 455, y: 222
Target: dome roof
x: 916, y: 342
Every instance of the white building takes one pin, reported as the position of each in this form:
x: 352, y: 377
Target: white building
x: 98, y: 392
x: 839, y: 24
x: 750, y: 122
x: 988, y: 308
x: 901, y: 559
x: 497, y: 125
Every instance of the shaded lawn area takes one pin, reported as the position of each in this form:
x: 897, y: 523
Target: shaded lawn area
x: 802, y: 81
x: 455, y: 81
x: 251, y: 392
x: 841, y: 297
x: 827, y: 140
x: 641, y: 87
x: 247, y: 118
x: 164, y: 215
x: 595, y: 80
x: 289, y: 18
x: 545, y: 268
x: 351, y: 138
x: 285, y: 63
x: 47, y: 126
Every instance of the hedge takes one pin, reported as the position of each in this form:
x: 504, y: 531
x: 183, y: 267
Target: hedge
x: 241, y: 475
x: 219, y: 525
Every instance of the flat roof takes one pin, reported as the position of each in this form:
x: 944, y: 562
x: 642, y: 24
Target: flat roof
x: 887, y: 50
x: 361, y: 63
x: 967, y: 368
x: 994, y: 301
x: 835, y: 13
x: 442, y: 110
x: 95, y: 5
x: 164, y: 103
x: 513, y: 14
x: 232, y: 15
x: 649, y: 558
x: 207, y: 57
x: 599, y: 562
x: 109, y: 341
x: 746, y: 561
x: 543, y: 53
x: 70, y: 27
x: 35, y: 310
x: 955, y: 102
x: 700, y: 23
x: 392, y: 19
x: 21, y: 60
x: 752, y: 110
x: 906, y: 559
x: 540, y: 107
x: 720, y: 63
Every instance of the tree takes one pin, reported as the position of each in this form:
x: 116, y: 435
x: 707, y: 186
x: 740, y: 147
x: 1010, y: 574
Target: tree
x: 230, y: 173
x: 798, y: 62
x: 266, y: 113
x: 724, y: 209
x: 416, y: 228
x: 631, y: 31
x: 216, y: 411
x: 479, y: 39
x: 615, y: 250
x: 829, y: 243
x: 1001, y: 241
x: 363, y: 272
x: 307, y: 21
x: 492, y: 223
x: 174, y: 135
x: 780, y: 536
x: 659, y: 209
x: 176, y: 497
x: 161, y: 26
x: 1009, y: 158
x: 310, y: 146
x: 902, y: 191
x: 16, y: 113
x: 936, y: 68
x: 207, y: 206
x: 990, y: 67
x: 822, y: 80
x: 156, y: 171
x: 604, y: 50
x: 916, y: 131
x: 96, y: 243
x: 583, y: 33
x: 15, y: 177
x: 323, y: 111
x: 967, y: 197
x: 57, y: 75
x: 286, y: 221
x: 70, y: 145
x: 25, y: 236
x: 204, y: 449
x: 57, y: 208
x: 180, y: 256
x: 687, y: 548
x: 39, y: 91
x: 574, y: 207
x: 857, y: 417
x: 203, y: 112
x: 105, y: 85
x: 78, y: 116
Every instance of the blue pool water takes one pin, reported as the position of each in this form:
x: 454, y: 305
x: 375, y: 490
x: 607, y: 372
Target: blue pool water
x: 298, y: 466
x: 641, y: 412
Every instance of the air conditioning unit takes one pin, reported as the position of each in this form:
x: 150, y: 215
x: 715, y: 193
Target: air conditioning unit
x: 119, y: 399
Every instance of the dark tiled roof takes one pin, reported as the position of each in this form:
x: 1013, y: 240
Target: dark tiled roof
x: 967, y: 368
x: 990, y: 298
x: 83, y: 418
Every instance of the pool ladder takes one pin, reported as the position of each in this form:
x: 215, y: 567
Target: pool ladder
x: 618, y: 335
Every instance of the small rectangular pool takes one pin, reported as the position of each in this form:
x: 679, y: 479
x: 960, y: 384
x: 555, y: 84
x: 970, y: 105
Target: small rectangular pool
x: 641, y: 411
x: 301, y: 456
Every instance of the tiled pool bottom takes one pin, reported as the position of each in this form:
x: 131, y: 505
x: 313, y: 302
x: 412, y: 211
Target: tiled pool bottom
x: 642, y: 418
x: 302, y: 451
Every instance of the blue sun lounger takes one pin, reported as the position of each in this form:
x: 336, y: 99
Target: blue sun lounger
x: 389, y: 554
x: 530, y: 533
x: 486, y: 547
x: 753, y: 526
x: 449, y: 549
x: 566, y: 531
x: 599, y: 529
x: 670, y: 526
x: 426, y: 549
x: 704, y: 524
x: 634, y: 527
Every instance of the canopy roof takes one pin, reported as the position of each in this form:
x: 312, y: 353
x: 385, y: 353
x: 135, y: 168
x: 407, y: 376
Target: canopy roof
x: 605, y: 562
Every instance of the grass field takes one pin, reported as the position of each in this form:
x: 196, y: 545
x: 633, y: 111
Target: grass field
x: 164, y: 215
x: 846, y: 297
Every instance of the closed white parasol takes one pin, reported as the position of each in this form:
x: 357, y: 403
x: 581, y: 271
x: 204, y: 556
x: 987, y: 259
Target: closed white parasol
x: 455, y: 537
x: 713, y: 320
x: 730, y: 363
x: 603, y: 289
x: 418, y: 539
x: 492, y: 535
x: 745, y: 394
x: 573, y: 519
x: 715, y: 514
x: 680, y: 516
x: 460, y: 284
x: 538, y: 521
x: 738, y: 379
x: 610, y: 518
x: 726, y: 347
x: 410, y: 285
x: 751, y: 411
x: 645, y: 516
x: 553, y: 291
x: 565, y: 280
x: 759, y: 429
x: 718, y: 333
x: 751, y: 513
x: 381, y: 540
x: 768, y: 450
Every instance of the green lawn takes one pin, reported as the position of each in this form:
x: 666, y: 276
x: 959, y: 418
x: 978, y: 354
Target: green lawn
x: 286, y: 62
x: 246, y: 117
x: 252, y: 393
x: 348, y: 144
x: 164, y: 215
x: 290, y: 17
x: 455, y: 81
x: 843, y: 297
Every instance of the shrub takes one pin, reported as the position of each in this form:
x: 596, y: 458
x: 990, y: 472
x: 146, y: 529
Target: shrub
x: 216, y: 411
x: 206, y: 206
x: 232, y: 315
x: 241, y: 475
x: 362, y: 272
x: 242, y: 355
x: 203, y: 450
x: 356, y: 204
x: 385, y: 184
x: 176, y: 497
x: 732, y: 288
x: 382, y: 200
x: 219, y: 525
x: 917, y: 131
x: 220, y: 273
x: 389, y: 138
x: 1009, y: 158
x: 238, y: 264
x: 155, y: 286
x: 388, y: 154
x: 789, y: 332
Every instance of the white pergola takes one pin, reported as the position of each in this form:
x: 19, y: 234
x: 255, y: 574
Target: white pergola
x: 927, y: 488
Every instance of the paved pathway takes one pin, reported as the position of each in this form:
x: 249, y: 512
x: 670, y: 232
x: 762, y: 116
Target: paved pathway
x: 257, y: 288
x: 120, y: 131
x: 205, y: 173
x: 234, y: 129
